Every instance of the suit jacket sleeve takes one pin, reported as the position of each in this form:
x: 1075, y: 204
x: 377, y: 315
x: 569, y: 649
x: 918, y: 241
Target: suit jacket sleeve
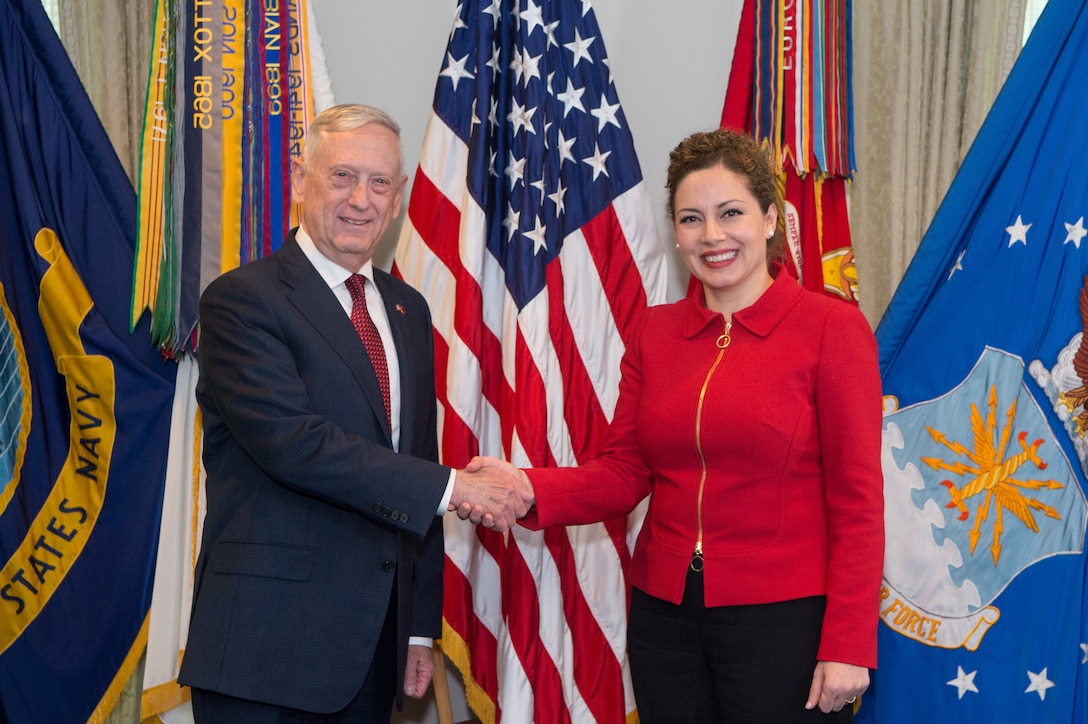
x: 423, y: 443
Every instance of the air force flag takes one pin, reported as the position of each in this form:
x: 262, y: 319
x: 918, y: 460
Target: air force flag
x: 984, y: 608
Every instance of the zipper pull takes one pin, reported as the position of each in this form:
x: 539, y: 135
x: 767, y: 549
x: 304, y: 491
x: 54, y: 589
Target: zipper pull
x: 697, y: 559
x: 724, y: 340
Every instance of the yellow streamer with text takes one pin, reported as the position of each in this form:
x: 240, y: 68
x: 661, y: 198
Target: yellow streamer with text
x: 234, y: 71
x: 154, y: 170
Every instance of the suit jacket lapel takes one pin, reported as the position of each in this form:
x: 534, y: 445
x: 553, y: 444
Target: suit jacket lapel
x: 315, y: 301
x: 400, y: 326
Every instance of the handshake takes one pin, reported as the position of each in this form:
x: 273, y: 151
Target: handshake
x: 491, y: 492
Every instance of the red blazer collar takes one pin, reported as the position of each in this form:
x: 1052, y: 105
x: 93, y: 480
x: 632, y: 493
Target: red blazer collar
x: 759, y: 319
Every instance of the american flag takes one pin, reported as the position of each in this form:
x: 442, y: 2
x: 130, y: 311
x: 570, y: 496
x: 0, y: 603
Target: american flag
x: 531, y: 234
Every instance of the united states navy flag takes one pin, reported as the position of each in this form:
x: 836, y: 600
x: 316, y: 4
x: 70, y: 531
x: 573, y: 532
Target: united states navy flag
x: 985, y: 365
x: 84, y: 405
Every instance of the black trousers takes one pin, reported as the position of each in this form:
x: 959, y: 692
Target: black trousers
x: 729, y: 664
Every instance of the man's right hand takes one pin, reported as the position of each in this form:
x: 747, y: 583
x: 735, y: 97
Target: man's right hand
x: 492, y: 495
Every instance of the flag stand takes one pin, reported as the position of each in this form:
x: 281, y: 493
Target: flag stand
x: 441, y: 686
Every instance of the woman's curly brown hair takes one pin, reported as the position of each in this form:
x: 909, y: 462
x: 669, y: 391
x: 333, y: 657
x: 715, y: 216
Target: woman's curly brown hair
x: 735, y: 152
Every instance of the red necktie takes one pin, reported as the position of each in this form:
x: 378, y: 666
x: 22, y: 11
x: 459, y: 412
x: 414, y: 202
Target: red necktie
x: 364, y: 325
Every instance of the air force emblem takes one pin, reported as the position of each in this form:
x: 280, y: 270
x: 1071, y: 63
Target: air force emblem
x: 977, y: 489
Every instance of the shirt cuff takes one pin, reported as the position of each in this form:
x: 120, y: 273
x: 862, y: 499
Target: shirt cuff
x: 442, y: 508
x: 421, y: 641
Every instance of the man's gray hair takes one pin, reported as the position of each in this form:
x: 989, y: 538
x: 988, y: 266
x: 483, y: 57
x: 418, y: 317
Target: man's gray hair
x: 348, y: 117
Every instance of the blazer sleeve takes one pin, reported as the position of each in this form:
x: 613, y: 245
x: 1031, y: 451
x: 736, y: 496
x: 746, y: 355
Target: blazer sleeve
x: 848, y: 407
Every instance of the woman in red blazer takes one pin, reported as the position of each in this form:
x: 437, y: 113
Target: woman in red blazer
x: 750, y: 412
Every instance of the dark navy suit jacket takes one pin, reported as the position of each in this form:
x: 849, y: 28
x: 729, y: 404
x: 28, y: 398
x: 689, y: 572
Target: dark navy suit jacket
x: 311, y: 515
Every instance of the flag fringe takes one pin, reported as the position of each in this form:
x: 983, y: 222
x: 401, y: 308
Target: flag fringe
x: 128, y: 668
x: 162, y: 698
x: 457, y: 652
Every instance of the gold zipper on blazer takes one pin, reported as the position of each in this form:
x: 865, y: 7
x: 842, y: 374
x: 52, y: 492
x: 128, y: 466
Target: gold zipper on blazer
x: 723, y: 342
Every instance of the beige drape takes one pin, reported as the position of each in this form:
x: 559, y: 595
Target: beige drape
x: 109, y: 42
x: 925, y: 75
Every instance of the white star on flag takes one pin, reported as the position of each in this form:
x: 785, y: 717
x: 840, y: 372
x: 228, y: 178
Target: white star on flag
x: 580, y: 47
x: 963, y: 682
x: 530, y: 67
x: 536, y: 235
x: 572, y: 98
x: 1018, y: 232
x: 1076, y: 232
x: 557, y: 198
x: 1039, y: 684
x: 606, y: 113
x: 564, y: 146
x: 511, y: 222
x: 549, y: 33
x: 455, y: 69
x: 532, y: 16
x: 494, y: 10
x: 458, y: 23
x: 515, y: 170
x: 521, y: 117
x: 493, y: 64
x: 597, y: 162
x: 958, y: 266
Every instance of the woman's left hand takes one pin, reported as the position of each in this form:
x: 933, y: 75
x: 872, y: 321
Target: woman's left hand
x: 835, y: 685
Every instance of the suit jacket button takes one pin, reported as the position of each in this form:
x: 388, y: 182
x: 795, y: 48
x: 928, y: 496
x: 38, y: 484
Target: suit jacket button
x: 389, y: 566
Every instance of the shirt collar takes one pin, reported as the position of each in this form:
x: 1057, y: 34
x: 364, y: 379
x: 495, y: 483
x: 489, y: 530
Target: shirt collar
x: 330, y: 271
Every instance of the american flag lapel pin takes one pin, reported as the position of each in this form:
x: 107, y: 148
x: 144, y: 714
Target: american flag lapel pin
x: 400, y: 309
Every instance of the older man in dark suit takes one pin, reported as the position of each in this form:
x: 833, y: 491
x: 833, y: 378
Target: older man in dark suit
x: 319, y: 580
